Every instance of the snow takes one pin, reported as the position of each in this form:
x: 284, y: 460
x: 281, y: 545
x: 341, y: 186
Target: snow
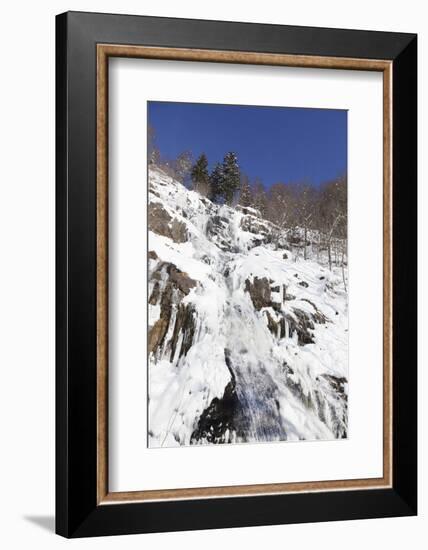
x: 271, y: 373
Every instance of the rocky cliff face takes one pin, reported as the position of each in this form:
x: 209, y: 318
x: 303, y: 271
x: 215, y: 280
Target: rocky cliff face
x: 245, y: 344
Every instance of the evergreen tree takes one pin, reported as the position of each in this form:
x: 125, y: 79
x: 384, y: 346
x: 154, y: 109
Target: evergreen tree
x: 246, y: 195
x: 231, y: 177
x: 200, y: 176
x: 217, y: 183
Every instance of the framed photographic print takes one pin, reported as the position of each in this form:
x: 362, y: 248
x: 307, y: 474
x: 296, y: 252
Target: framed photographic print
x: 236, y: 274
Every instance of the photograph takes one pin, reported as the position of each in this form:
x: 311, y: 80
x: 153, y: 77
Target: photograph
x: 247, y: 274
x: 212, y: 264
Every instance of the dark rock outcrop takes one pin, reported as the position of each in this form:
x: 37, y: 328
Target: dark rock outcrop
x: 219, y: 422
x: 216, y: 424
x: 336, y: 409
x: 317, y: 316
x: 301, y: 323
x: 180, y: 278
x: 285, y: 296
x: 184, y: 325
x: 332, y: 412
x: 216, y: 228
x: 261, y: 228
x: 260, y: 292
x: 170, y: 286
x: 160, y: 222
x: 154, y: 296
x: 296, y: 387
x: 158, y: 331
x: 277, y: 328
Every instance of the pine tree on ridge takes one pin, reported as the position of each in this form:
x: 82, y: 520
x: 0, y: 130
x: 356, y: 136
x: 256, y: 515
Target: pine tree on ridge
x: 200, y: 176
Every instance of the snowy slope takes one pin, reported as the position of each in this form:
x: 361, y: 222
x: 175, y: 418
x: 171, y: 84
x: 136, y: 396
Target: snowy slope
x: 246, y: 343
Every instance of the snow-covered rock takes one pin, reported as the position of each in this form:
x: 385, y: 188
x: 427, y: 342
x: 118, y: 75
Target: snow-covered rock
x: 246, y: 342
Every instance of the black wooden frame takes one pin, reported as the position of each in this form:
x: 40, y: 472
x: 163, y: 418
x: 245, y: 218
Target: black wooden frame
x: 77, y: 513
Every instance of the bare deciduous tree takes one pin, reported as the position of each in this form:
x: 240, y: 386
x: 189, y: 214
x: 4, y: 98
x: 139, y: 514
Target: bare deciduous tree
x: 260, y: 200
x: 246, y: 195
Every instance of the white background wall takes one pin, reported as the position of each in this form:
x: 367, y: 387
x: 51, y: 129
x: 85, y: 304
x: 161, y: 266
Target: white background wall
x: 27, y: 88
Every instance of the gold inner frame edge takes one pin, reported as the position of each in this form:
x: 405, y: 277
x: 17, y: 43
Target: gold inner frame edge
x: 104, y: 51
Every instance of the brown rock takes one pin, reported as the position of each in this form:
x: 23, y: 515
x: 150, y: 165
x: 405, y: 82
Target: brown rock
x: 178, y: 231
x: 277, y: 328
x: 260, y: 292
x: 170, y: 287
x: 181, y: 279
x: 157, y: 334
x: 162, y: 223
x: 158, y: 331
x: 154, y: 297
x: 159, y: 219
x: 184, y: 324
x: 318, y: 316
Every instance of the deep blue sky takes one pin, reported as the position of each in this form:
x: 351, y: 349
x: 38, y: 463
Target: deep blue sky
x: 272, y: 143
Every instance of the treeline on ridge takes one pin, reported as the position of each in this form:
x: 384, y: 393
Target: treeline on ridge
x: 307, y: 214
